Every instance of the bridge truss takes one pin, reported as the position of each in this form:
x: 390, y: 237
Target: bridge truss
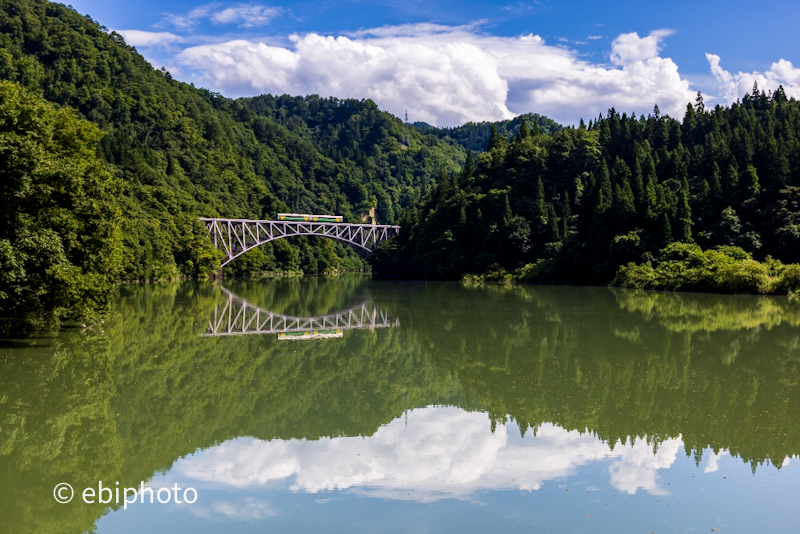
x: 238, y: 317
x: 236, y: 236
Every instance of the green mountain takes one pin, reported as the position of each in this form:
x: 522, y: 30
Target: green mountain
x: 183, y: 152
x: 575, y: 205
x: 176, y: 152
x: 475, y: 136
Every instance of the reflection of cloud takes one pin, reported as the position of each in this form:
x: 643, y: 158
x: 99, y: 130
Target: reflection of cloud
x: 713, y: 458
x: 638, y: 467
x: 443, y: 453
x: 247, y: 509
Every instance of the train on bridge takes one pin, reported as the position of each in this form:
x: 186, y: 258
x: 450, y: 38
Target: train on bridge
x: 236, y: 236
x: 309, y: 218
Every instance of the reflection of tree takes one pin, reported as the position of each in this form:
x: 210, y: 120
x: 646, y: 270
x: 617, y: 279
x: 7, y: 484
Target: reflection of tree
x: 590, y: 359
x: 304, y: 297
x: 253, y: 385
x: 153, y: 390
x: 56, y: 425
x: 682, y: 312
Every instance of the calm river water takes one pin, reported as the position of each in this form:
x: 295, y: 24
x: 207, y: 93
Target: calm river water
x: 353, y: 405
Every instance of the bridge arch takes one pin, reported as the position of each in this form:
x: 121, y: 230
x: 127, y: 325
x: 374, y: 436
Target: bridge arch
x: 238, y: 317
x: 234, y: 237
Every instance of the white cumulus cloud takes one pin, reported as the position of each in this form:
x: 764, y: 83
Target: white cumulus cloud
x: 144, y: 38
x: 447, y: 75
x: 242, y: 15
x: 734, y: 86
x: 629, y: 48
x: 441, y: 453
x: 245, y: 15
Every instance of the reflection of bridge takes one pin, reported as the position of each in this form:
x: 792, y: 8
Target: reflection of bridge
x: 238, y: 317
x: 236, y: 236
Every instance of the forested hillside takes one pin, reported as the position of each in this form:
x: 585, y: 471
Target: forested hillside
x: 173, y: 153
x: 475, y: 136
x: 183, y: 152
x: 533, y: 201
x: 573, y: 206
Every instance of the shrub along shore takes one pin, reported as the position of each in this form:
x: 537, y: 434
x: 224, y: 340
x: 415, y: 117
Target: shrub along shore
x: 678, y: 267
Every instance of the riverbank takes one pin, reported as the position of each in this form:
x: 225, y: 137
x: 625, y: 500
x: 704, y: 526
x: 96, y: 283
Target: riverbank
x: 678, y: 267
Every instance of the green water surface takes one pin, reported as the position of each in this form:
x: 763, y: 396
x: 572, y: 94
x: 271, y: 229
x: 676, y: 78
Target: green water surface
x: 453, y: 409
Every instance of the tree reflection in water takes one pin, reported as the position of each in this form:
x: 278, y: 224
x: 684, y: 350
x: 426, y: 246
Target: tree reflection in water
x: 127, y: 400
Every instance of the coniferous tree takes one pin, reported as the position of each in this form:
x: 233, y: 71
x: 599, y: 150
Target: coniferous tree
x: 750, y: 183
x: 465, y: 178
x: 540, y: 210
x: 731, y: 185
x: 664, y: 234
x: 523, y: 132
x: 689, y: 122
x: 494, y: 138
x: 699, y: 105
x: 553, y: 233
x: 637, y: 183
x: 443, y: 186
x: 566, y: 212
x: 605, y: 193
x: 624, y: 205
x: 684, y: 217
x: 651, y: 197
x: 715, y: 182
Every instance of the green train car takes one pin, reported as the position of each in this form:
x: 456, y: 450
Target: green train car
x: 309, y: 218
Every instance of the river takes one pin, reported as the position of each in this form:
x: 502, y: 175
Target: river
x: 356, y: 405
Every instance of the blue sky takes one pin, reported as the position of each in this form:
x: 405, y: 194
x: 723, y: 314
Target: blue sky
x: 448, y: 62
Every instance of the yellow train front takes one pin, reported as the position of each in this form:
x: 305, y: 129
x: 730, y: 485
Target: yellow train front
x: 304, y: 217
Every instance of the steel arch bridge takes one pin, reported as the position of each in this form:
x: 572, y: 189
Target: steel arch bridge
x: 238, y: 317
x: 236, y: 236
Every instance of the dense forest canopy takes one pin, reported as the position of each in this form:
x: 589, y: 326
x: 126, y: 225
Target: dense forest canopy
x: 178, y: 152
x: 60, y: 242
x: 183, y: 152
x: 475, y: 136
x: 573, y: 206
